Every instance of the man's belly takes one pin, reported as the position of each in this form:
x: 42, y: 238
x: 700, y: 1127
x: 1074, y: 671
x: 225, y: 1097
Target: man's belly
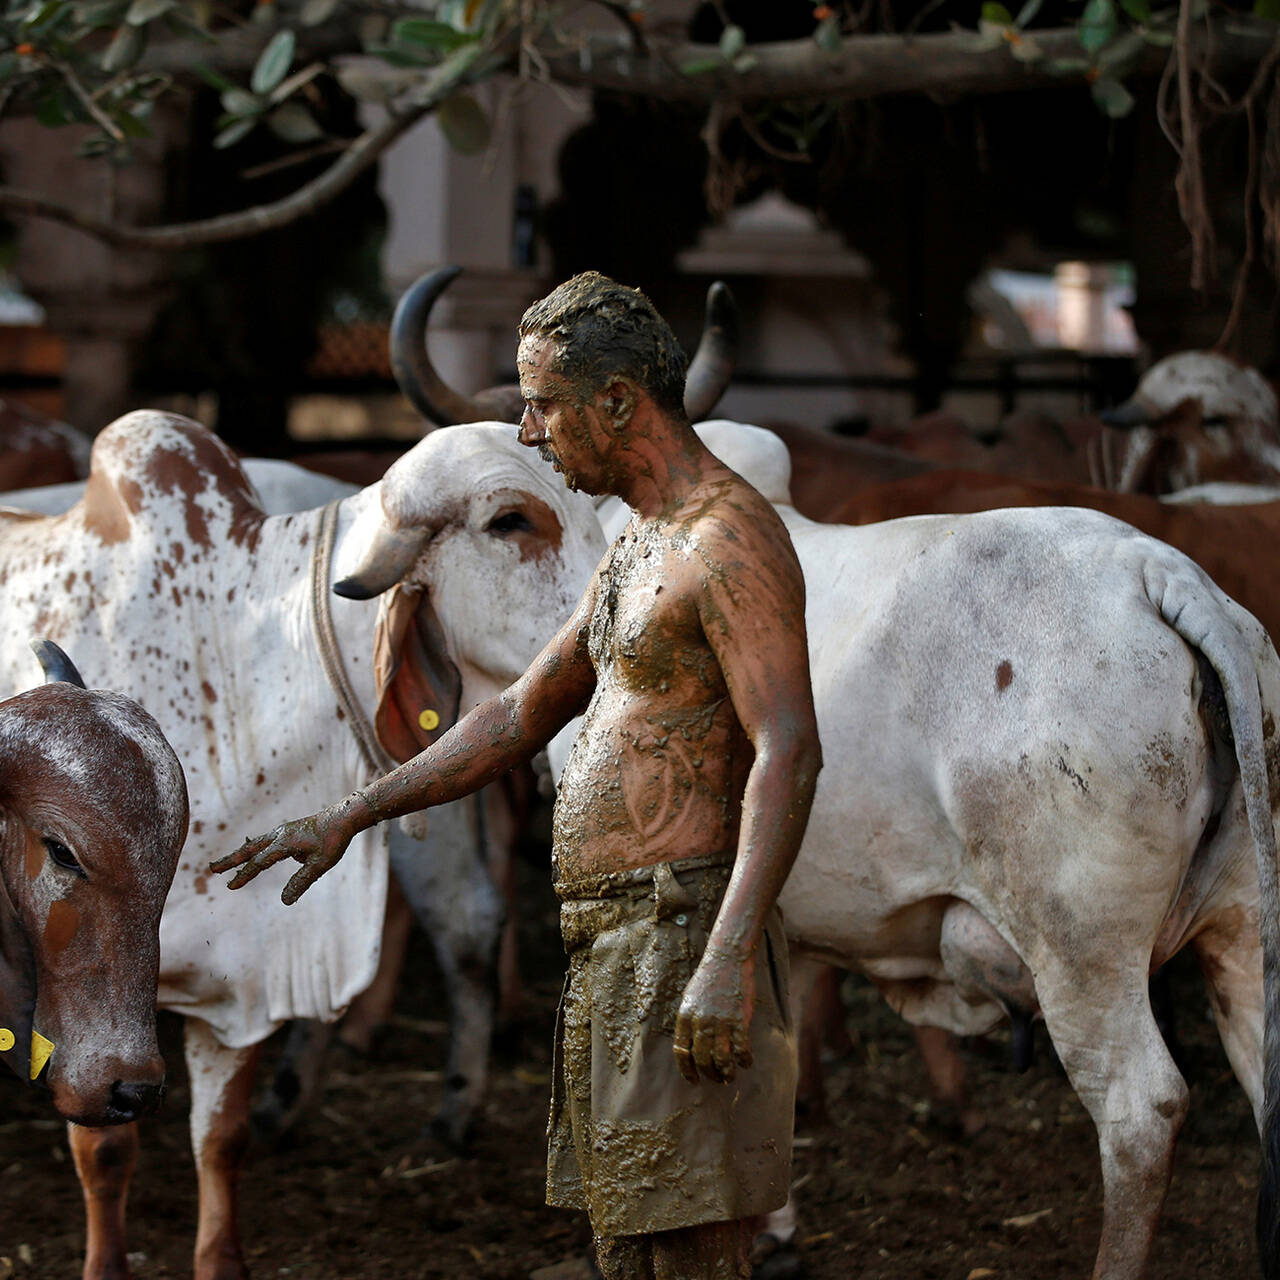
x: 631, y: 796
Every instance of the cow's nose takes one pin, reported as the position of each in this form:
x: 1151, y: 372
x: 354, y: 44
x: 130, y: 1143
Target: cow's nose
x: 132, y: 1100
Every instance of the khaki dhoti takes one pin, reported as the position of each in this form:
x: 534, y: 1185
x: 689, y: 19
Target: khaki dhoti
x: 630, y: 1140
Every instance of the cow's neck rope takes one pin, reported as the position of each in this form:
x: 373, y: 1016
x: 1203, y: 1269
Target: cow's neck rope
x: 376, y: 760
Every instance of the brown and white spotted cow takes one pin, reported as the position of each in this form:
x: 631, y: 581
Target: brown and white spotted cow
x: 172, y: 582
x: 93, y: 811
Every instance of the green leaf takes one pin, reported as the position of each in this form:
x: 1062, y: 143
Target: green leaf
x: 1097, y: 24
x: 239, y: 102
x: 294, y: 123
x: 286, y: 88
x: 108, y: 14
x: 142, y: 11
x: 1138, y: 10
x: 40, y: 14
x: 432, y: 35
x: 700, y: 66
x: 464, y: 124
x: 314, y: 12
x: 274, y: 61
x: 232, y: 133
x: 1114, y: 99
x: 997, y: 15
x: 1120, y: 54
x: 1027, y: 13
x: 125, y: 49
x: 131, y: 125
x: 745, y: 62
x: 732, y: 40
x: 1269, y: 9
x: 1068, y: 66
x: 214, y: 79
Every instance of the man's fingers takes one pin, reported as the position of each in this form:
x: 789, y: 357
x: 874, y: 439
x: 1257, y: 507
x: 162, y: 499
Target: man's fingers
x: 684, y: 1063
x: 240, y: 856
x: 257, y: 864
x: 707, y: 1054
x: 302, y: 879
x: 681, y: 1046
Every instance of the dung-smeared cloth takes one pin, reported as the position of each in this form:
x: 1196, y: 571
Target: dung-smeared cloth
x: 629, y: 1139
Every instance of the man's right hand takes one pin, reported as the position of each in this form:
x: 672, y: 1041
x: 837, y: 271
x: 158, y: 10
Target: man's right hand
x: 317, y: 841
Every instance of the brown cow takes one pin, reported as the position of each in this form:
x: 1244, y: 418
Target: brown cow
x: 93, y: 813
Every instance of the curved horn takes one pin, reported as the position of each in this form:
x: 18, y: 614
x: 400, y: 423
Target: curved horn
x: 414, y: 373
x: 390, y: 556
x: 713, y: 363
x: 55, y: 664
x: 1134, y: 412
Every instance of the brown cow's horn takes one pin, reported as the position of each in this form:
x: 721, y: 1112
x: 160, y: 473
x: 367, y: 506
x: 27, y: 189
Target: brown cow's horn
x: 55, y: 664
x: 390, y: 556
x: 414, y: 373
x: 713, y: 363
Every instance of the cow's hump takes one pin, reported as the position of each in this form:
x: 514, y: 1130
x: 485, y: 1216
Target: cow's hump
x: 160, y: 469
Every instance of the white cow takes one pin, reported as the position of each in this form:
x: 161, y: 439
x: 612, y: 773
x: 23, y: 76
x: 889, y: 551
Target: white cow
x: 170, y: 584
x: 442, y: 872
x: 1046, y: 739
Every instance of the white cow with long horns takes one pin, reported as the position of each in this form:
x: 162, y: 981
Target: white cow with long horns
x: 169, y: 583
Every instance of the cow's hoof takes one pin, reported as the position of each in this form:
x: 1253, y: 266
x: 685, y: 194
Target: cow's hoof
x: 774, y: 1259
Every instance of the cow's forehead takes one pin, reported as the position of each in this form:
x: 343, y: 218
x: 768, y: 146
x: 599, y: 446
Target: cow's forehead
x: 454, y: 464
x: 96, y: 757
x: 1221, y: 385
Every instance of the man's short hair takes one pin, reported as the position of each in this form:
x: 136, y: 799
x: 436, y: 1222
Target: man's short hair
x: 603, y: 329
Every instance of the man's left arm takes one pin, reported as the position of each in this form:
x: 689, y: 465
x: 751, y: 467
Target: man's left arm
x: 752, y: 609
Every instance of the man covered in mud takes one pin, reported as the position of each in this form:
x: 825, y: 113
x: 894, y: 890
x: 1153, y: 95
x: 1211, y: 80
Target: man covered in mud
x: 679, y: 813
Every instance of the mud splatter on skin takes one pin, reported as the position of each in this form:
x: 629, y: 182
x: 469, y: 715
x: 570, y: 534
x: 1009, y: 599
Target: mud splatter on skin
x: 1004, y: 675
x: 1162, y: 762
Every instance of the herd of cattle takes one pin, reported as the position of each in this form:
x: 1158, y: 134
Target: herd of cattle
x: 1050, y: 735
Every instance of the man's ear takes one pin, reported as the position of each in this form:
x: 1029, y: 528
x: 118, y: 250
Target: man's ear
x: 619, y: 400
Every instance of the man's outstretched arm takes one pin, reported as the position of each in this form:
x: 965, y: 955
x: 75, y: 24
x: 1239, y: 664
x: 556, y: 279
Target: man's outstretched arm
x: 494, y: 737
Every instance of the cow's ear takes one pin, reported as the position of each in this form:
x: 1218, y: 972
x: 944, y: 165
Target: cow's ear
x: 55, y: 664
x: 419, y: 688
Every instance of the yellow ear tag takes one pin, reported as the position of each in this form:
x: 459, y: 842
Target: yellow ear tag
x: 429, y: 720
x: 41, y: 1051
x: 7, y: 1040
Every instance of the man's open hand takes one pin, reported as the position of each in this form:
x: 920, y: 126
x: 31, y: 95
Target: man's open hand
x: 713, y: 1027
x: 318, y: 842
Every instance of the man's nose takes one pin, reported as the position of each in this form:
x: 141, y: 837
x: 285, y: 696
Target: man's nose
x: 529, y: 433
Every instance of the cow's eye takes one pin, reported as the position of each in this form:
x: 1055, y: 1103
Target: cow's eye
x: 63, y: 856
x: 509, y: 522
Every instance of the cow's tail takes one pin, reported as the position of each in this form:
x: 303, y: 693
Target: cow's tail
x: 1200, y: 617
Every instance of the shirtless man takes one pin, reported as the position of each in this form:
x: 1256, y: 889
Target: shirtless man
x: 679, y: 813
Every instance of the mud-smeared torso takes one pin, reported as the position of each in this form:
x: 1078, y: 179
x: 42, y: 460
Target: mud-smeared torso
x: 658, y: 768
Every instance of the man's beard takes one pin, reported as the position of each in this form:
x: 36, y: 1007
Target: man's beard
x: 548, y: 455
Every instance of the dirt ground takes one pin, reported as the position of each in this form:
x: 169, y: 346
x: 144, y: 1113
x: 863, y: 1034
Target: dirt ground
x: 364, y: 1191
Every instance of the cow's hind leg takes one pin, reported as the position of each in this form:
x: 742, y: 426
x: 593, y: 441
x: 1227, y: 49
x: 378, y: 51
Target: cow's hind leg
x: 1113, y: 1053
x: 104, y: 1160
x: 221, y: 1083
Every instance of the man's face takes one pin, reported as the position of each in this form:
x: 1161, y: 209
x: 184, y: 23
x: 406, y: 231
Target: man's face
x: 574, y: 437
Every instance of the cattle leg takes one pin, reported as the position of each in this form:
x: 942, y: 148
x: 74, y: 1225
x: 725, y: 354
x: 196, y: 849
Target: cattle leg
x: 221, y: 1083
x: 455, y: 901
x: 1113, y: 1053
x: 104, y: 1160
x: 371, y: 1010
x: 1230, y: 956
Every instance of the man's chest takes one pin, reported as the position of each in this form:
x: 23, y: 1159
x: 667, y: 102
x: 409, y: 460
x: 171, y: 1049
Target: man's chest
x: 645, y: 618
